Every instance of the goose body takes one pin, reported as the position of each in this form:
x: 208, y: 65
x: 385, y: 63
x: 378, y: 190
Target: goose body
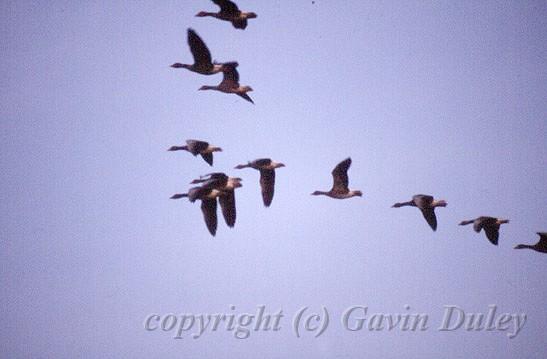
x: 208, y: 197
x: 266, y: 167
x: 490, y: 225
x: 227, y: 185
x: 230, y: 83
x: 197, y: 147
x: 426, y: 204
x: 202, y: 57
x: 229, y: 12
x: 540, y: 246
x: 340, y: 184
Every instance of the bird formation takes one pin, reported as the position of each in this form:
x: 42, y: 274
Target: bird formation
x: 219, y: 186
x: 204, y: 65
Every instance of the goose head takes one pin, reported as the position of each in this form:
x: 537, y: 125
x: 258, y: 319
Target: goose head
x: 522, y: 246
x: 178, y: 65
x: 246, y: 88
x: 206, y: 87
x: 357, y: 193
x: 203, y: 14
x: 251, y: 15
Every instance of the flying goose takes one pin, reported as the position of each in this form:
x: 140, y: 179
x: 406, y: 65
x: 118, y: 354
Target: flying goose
x: 230, y: 83
x: 340, y: 188
x: 540, y: 246
x: 267, y: 176
x: 197, y: 147
x: 202, y: 57
x: 426, y: 204
x: 222, y: 182
x: 208, y: 197
x: 490, y: 225
x: 229, y: 12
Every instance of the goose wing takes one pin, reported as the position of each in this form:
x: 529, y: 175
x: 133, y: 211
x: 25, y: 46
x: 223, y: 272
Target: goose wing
x: 492, y: 233
x: 227, y: 7
x: 542, y: 239
x: 422, y: 201
x: 208, y: 157
x: 230, y: 76
x: 340, y: 176
x: 483, y: 222
x: 240, y: 23
x: 209, y: 210
x: 196, y: 146
x: 261, y: 162
x: 267, y: 184
x: 216, y: 180
x: 246, y: 97
x: 228, y: 206
x: 430, y: 217
x: 200, y: 52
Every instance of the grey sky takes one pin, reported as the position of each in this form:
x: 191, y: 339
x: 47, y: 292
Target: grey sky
x: 445, y: 98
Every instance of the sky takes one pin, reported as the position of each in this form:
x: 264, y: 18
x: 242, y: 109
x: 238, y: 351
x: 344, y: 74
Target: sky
x: 443, y: 98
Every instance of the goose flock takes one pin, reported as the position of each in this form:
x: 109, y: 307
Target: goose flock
x: 220, y: 187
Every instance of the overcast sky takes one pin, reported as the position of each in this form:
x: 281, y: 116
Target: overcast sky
x: 443, y: 98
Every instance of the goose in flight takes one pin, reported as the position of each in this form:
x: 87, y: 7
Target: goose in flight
x: 229, y: 12
x: 208, y: 197
x: 540, y: 246
x: 202, y: 57
x: 426, y: 204
x: 490, y: 225
x: 230, y: 83
x: 340, y: 188
x: 227, y: 185
x: 197, y: 147
x: 267, y: 176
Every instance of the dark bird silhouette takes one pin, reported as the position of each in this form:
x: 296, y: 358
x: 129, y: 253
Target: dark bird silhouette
x: 230, y: 83
x: 197, y: 147
x: 202, y: 57
x: 227, y: 200
x: 540, y: 246
x: 426, y: 204
x: 267, y: 176
x: 229, y: 12
x: 208, y: 197
x: 340, y: 188
x: 490, y: 225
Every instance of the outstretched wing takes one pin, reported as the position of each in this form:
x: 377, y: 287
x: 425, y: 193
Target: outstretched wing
x: 267, y: 184
x: 209, y: 210
x: 200, y: 52
x: 483, y: 222
x: 228, y: 205
x: 227, y: 7
x: 208, y: 157
x: 231, y: 76
x: 340, y: 176
x: 542, y: 239
x: 430, y: 217
x: 422, y: 201
x: 492, y: 233
x: 195, y: 146
x: 261, y: 162
x: 246, y: 97
x: 240, y: 23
